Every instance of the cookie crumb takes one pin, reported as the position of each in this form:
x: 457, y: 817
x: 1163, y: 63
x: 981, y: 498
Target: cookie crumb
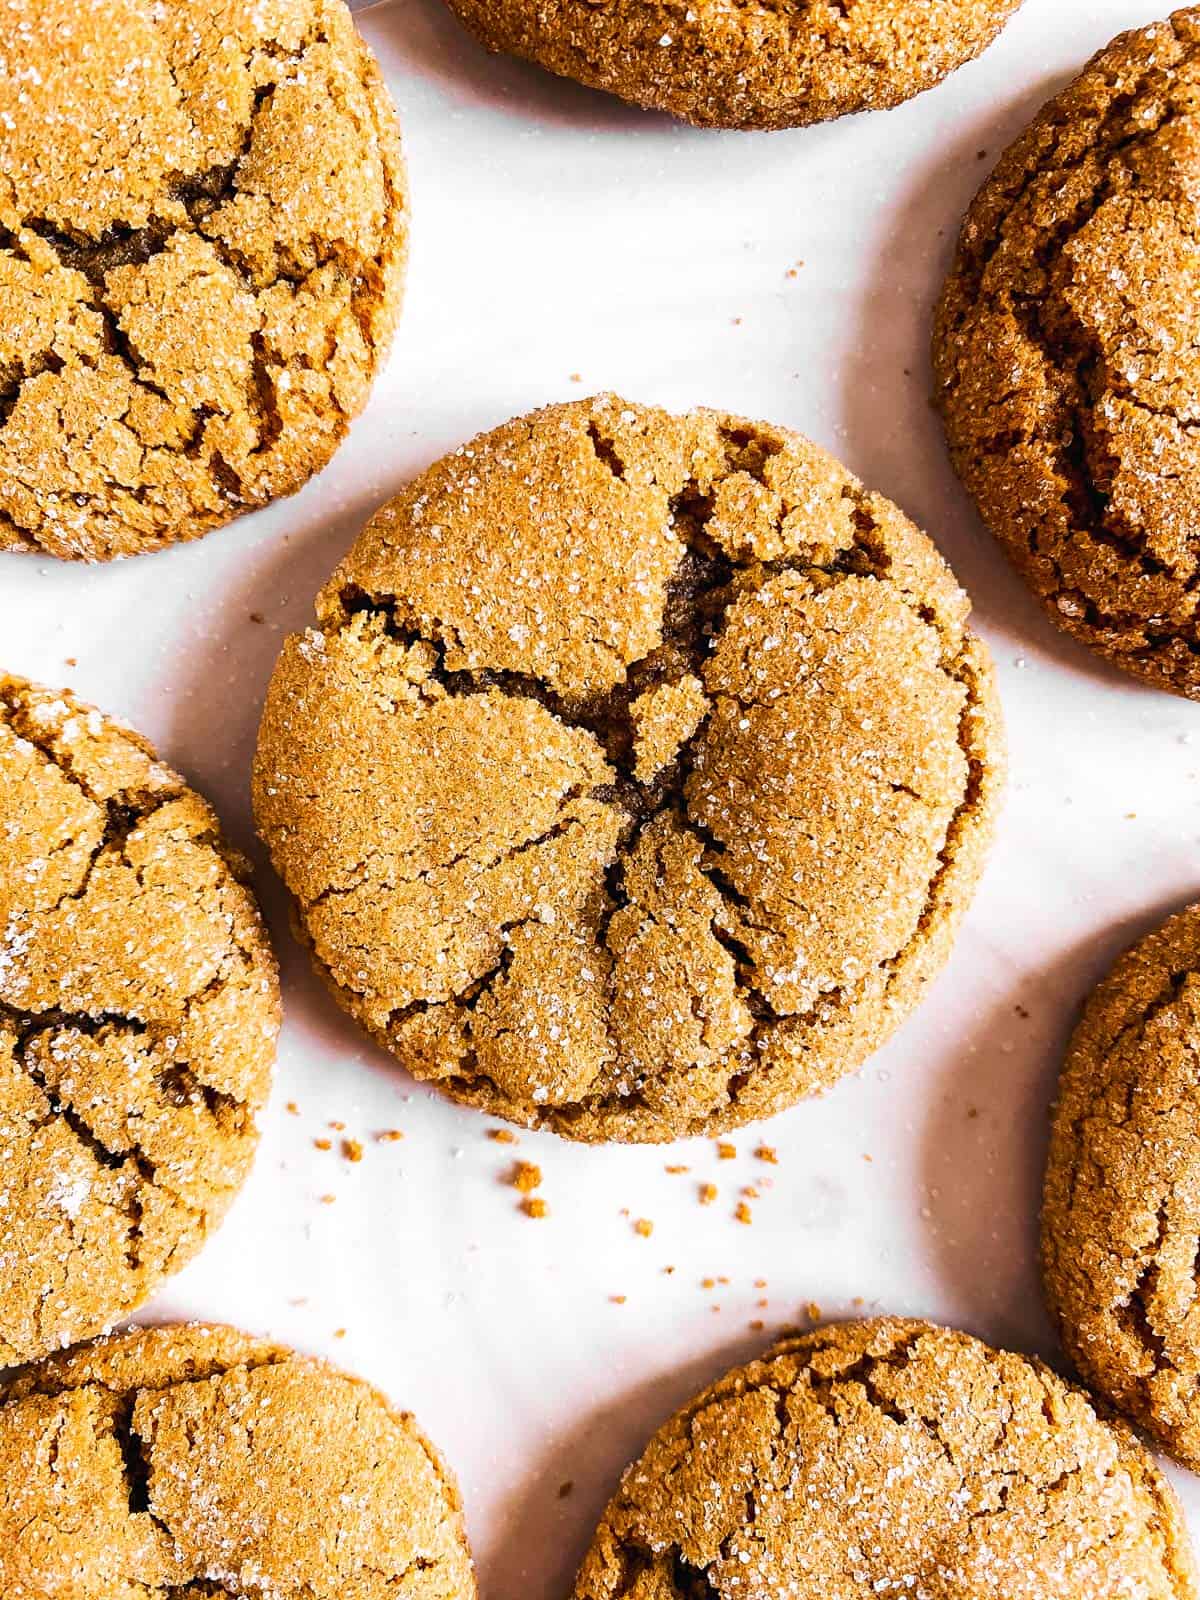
x: 767, y: 1154
x: 674, y: 1171
x: 389, y: 1136
x: 618, y: 1299
x: 708, y: 1194
x: 743, y: 1213
x: 323, y: 1144
x: 564, y: 1489
x: 292, y: 1109
x: 726, y: 1152
x: 257, y: 616
x: 328, y: 1199
x: 534, y: 1207
x: 526, y: 1177
x: 502, y: 1135
x: 644, y: 1227
x: 352, y: 1149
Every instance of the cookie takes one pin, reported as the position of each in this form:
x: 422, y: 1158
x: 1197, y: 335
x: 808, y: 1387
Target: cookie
x: 1065, y: 355
x: 198, y: 1462
x: 636, y: 774
x: 733, y: 66
x: 202, y: 245
x: 891, y: 1458
x: 1121, y: 1212
x: 139, y: 1007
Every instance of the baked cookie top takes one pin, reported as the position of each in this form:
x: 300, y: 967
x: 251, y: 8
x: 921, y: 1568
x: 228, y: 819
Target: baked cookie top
x: 1122, y: 1201
x: 139, y: 1008
x: 202, y: 243
x: 760, y: 65
x: 1066, y: 356
x: 636, y: 774
x: 195, y: 1462
x: 891, y: 1458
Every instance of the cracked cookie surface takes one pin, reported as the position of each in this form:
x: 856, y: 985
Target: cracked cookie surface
x: 189, y: 1463
x: 636, y: 774
x: 1067, y: 354
x: 891, y: 1457
x: 749, y: 64
x: 202, y: 246
x: 1121, y: 1213
x: 139, y: 1009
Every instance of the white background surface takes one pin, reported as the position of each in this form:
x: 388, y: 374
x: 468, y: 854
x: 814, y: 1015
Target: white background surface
x: 559, y: 232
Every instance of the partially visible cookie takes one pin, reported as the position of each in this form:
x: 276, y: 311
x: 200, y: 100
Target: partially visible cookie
x: 1067, y: 354
x: 202, y: 240
x: 891, y: 1458
x: 195, y: 1462
x: 1121, y: 1213
x: 637, y: 773
x: 744, y: 66
x: 139, y: 1009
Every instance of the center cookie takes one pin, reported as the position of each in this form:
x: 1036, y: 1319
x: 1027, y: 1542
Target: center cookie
x: 637, y: 773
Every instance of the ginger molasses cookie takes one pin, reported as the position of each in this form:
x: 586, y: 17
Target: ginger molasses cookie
x: 138, y: 1013
x: 744, y: 66
x: 198, y: 1462
x: 202, y: 243
x: 636, y: 774
x: 891, y: 1458
x: 1121, y: 1213
x: 1066, y: 360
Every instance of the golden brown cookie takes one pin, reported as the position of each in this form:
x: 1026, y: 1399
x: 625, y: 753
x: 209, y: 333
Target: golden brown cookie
x: 637, y: 773
x: 1065, y: 354
x: 745, y: 65
x: 202, y: 244
x: 195, y: 1462
x: 891, y: 1458
x: 139, y: 1007
x: 1121, y: 1213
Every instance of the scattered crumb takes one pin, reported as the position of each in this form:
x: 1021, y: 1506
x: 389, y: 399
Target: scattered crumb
x: 674, y: 1170
x: 502, y: 1135
x: 292, y: 1108
x: 339, y: 1333
x: 743, y: 1213
x: 535, y: 1208
x: 750, y: 1192
x: 708, y: 1283
x: 323, y: 1144
x: 328, y: 1199
x: 526, y: 1177
x: 564, y: 1489
x: 726, y: 1152
x: 352, y: 1149
x: 813, y: 1311
x: 618, y: 1299
x: 767, y: 1154
x: 760, y: 1283
x: 644, y: 1227
x: 257, y: 616
x: 668, y: 1271
x: 389, y: 1136
x: 757, y: 1326
x: 722, y: 1280
x: 762, y: 1305
x: 72, y: 661
x: 338, y: 1127
x: 577, y: 377
x: 708, y: 1193
x: 972, y: 1112
x: 1021, y: 1011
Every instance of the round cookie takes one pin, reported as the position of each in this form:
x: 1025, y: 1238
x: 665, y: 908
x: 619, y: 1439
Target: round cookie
x: 196, y: 1462
x: 1121, y: 1212
x: 1065, y: 354
x: 139, y: 1008
x: 202, y: 245
x: 733, y: 66
x: 636, y: 774
x: 891, y: 1457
